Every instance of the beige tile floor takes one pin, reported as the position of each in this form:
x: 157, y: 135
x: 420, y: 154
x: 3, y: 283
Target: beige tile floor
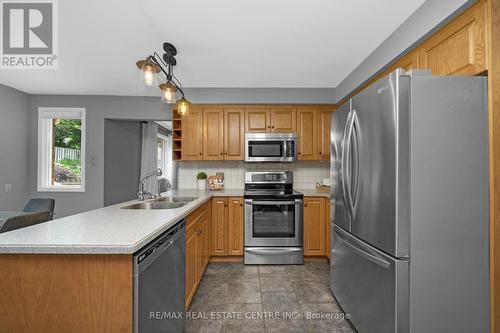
x: 239, y: 298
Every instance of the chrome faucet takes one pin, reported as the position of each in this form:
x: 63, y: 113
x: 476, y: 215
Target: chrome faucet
x: 142, y: 193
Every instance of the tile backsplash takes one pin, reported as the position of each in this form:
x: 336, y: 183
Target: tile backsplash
x: 306, y: 173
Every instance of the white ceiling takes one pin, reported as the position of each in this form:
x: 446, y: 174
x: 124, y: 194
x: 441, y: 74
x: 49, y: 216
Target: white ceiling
x: 221, y: 43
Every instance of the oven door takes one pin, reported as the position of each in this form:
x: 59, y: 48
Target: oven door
x: 263, y: 150
x: 273, y: 222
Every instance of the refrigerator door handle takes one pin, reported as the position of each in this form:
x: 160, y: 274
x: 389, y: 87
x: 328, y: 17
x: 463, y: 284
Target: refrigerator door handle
x: 346, y: 169
x: 344, y: 164
x: 357, y: 164
x: 374, y: 259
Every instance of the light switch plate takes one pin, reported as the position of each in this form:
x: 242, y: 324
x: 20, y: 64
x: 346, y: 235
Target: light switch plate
x: 8, y: 188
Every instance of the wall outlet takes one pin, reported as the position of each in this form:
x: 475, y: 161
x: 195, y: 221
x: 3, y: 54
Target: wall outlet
x: 8, y: 188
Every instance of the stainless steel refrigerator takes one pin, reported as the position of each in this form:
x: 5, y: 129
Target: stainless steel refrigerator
x: 410, y: 205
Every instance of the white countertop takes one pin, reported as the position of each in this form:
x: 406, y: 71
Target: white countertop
x: 312, y: 193
x: 109, y: 230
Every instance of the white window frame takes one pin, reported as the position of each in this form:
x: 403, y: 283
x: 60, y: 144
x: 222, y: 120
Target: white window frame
x: 45, y: 115
x: 164, y: 153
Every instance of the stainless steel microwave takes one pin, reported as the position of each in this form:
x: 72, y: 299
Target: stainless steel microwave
x: 270, y: 147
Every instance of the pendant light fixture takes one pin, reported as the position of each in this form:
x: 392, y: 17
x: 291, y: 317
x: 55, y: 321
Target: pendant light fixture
x: 183, y: 107
x: 170, y: 90
x: 148, y: 72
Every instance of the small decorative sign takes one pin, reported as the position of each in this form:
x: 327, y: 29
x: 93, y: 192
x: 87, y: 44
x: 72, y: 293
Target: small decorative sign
x: 216, y: 183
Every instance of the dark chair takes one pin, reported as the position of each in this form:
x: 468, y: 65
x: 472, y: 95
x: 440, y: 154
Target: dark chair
x: 40, y: 205
x: 21, y: 221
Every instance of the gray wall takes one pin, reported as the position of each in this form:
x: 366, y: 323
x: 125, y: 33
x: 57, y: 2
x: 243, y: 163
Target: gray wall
x: 261, y: 95
x: 430, y: 17
x: 122, y: 160
x: 98, y: 108
x: 13, y: 147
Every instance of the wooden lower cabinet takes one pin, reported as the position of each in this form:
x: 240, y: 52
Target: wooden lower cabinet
x: 219, y: 226
x: 197, y: 250
x: 235, y: 227
x: 314, y: 226
x: 191, y: 265
x: 227, y: 226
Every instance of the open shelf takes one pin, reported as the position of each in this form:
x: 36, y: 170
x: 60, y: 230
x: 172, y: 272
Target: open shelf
x: 176, y: 136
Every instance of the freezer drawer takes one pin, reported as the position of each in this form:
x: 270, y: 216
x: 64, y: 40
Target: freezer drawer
x: 369, y: 285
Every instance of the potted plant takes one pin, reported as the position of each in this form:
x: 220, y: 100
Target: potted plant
x: 202, y: 181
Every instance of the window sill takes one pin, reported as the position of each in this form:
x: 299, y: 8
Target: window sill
x: 67, y: 188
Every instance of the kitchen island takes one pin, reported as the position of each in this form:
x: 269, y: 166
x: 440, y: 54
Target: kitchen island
x: 74, y: 274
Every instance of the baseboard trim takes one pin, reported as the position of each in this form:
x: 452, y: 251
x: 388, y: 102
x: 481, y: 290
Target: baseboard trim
x: 315, y: 259
x: 226, y: 259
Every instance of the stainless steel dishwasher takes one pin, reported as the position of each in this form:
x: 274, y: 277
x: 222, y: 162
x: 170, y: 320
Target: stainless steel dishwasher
x: 159, y: 272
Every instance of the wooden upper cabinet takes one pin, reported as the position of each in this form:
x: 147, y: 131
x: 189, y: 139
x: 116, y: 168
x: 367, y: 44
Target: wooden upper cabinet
x: 408, y: 62
x: 306, y: 125
x: 460, y: 47
x: 192, y: 135
x: 314, y: 226
x: 235, y: 227
x: 234, y: 134
x: 257, y: 120
x: 219, y: 226
x: 213, y: 134
x: 283, y: 120
x: 323, y: 131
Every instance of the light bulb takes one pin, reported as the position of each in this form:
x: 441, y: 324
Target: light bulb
x: 148, y: 72
x: 168, y: 91
x: 183, y: 107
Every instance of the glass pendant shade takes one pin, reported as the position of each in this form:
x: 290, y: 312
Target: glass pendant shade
x: 168, y: 91
x: 183, y: 107
x: 148, y: 72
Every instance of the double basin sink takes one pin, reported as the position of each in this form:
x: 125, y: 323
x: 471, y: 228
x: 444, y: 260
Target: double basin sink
x: 161, y: 203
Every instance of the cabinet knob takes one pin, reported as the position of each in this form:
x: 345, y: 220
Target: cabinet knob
x: 300, y: 153
x: 272, y: 126
x: 305, y: 205
x: 200, y: 153
x: 320, y: 153
x: 222, y: 153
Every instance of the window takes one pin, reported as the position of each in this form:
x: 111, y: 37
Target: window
x: 61, y: 149
x: 161, y: 143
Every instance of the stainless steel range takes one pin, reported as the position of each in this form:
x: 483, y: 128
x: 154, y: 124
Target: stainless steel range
x: 273, y: 219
